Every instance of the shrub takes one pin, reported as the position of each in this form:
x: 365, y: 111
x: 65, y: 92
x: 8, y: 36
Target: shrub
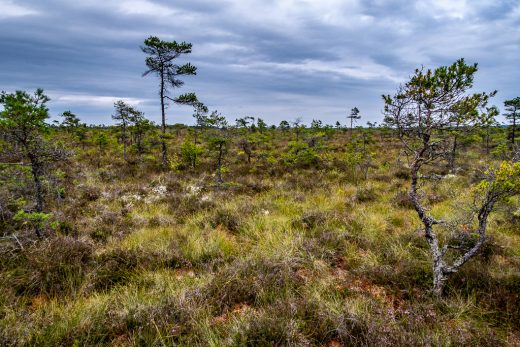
x: 249, y: 184
x: 109, y: 224
x: 114, y: 268
x: 406, y: 275
x: 171, y: 317
x: 184, y: 206
x: 250, y: 282
x: 310, y: 220
x: 301, y: 180
x: 54, y: 267
x: 402, y: 199
x: 300, y: 155
x: 366, y: 193
x: 325, y: 244
x: 89, y: 193
x: 190, y: 153
x: 226, y: 218
x: 270, y: 329
x: 302, y: 322
x: 434, y: 198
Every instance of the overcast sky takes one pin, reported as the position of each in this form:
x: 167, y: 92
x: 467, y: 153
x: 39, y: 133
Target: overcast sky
x: 275, y: 59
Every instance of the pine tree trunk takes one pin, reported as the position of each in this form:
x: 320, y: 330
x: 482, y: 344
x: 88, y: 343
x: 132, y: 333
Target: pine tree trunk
x: 439, y: 277
x: 163, y: 113
x: 219, y: 164
x: 453, y: 154
x: 124, y: 142
x: 439, y: 280
x: 514, y: 128
x: 38, y: 191
x: 487, y: 140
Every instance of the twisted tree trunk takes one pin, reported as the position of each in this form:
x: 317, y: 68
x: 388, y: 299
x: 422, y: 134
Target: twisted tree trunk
x: 441, y: 270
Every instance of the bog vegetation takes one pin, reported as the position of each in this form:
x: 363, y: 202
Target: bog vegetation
x: 250, y: 234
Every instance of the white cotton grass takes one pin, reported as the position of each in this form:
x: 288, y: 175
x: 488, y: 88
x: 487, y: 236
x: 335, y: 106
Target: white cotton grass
x: 194, y: 189
x: 156, y: 193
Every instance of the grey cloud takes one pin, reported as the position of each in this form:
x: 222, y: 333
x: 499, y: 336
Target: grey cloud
x: 275, y: 59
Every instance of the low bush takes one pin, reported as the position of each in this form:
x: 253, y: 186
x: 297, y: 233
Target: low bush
x: 55, y: 267
x: 402, y: 199
x: 227, y: 218
x: 300, y: 155
x: 302, y: 322
x: 366, y: 194
x: 185, y: 206
x: 326, y: 244
x: 113, y: 268
x: 109, y: 224
x: 311, y: 220
x: 250, y: 282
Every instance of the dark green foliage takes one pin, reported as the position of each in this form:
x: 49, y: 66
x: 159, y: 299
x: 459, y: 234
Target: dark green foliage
x: 300, y: 155
x: 24, y: 115
x: 284, y: 125
x: 513, y: 112
x: 354, y: 116
x: 102, y: 141
x: 219, y: 141
x: 70, y: 121
x: 122, y: 115
x: 262, y: 126
x: 245, y: 122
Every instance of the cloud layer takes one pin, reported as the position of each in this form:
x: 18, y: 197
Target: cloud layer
x: 277, y: 59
